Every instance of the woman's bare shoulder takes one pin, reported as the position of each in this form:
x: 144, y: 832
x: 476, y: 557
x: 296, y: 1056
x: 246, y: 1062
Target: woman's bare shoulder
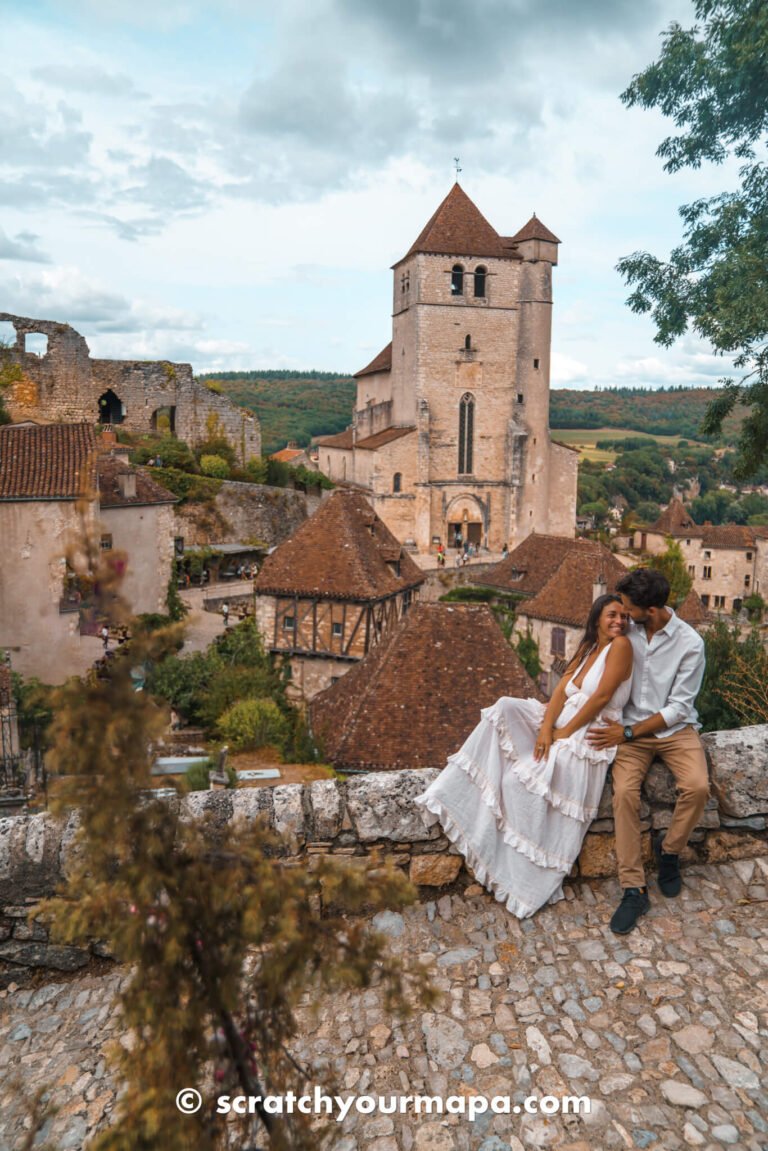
x: 621, y: 646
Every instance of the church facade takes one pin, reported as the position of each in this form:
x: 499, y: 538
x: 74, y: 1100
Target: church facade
x: 450, y: 436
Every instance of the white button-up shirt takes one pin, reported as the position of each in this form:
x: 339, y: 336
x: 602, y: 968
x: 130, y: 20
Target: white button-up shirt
x: 666, y: 676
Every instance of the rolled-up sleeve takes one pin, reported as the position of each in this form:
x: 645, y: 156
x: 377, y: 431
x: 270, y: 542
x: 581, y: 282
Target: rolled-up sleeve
x: 685, y: 687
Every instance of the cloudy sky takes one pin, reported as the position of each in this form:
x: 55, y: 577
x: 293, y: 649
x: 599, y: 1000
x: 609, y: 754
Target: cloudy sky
x: 228, y: 183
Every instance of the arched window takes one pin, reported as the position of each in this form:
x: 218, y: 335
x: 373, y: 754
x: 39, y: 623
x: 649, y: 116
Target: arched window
x: 397, y: 482
x: 466, y: 433
x: 467, y: 343
x: 457, y: 280
x: 480, y: 274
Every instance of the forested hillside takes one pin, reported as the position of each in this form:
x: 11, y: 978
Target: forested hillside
x: 290, y: 405
x: 663, y: 411
x: 298, y: 405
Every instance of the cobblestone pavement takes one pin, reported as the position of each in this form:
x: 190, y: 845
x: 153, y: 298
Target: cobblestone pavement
x: 666, y: 1029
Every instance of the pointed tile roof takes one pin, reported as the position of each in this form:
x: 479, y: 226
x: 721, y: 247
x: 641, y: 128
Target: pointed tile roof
x: 416, y: 697
x: 568, y: 595
x: 528, y: 566
x: 674, y: 519
x: 46, y: 461
x: 342, y: 552
x: 533, y: 230
x: 692, y: 610
x: 458, y: 228
x: 380, y: 363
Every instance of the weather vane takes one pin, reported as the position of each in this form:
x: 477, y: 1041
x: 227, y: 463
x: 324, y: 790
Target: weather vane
x: 456, y: 164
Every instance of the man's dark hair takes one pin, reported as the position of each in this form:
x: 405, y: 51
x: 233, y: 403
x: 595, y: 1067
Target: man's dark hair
x: 646, y: 587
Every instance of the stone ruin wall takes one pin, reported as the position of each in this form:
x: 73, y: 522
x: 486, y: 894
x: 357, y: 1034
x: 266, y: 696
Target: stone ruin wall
x: 350, y: 818
x: 65, y: 385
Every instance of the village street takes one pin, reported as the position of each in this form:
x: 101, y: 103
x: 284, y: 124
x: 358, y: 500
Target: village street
x: 666, y: 1029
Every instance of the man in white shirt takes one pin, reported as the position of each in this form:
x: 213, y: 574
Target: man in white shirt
x: 659, y: 720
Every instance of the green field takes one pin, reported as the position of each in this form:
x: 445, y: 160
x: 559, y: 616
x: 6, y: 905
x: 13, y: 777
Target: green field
x: 588, y: 440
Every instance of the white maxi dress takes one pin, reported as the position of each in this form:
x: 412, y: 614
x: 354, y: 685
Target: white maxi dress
x: 519, y: 822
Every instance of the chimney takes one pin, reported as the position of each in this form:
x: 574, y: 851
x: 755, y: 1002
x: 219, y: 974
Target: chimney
x: 126, y: 482
x: 599, y: 587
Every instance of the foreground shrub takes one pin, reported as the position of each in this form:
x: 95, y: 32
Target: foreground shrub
x: 253, y: 723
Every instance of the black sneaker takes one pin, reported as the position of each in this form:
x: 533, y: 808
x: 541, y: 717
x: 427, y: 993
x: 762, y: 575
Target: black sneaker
x: 634, y: 903
x: 669, y: 879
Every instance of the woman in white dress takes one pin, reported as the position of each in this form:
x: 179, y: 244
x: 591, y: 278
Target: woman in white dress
x: 518, y: 797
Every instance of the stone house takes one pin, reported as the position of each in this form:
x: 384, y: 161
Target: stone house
x: 59, y: 381
x: 136, y: 515
x: 329, y: 594
x: 45, y: 471
x: 414, y: 700
x: 530, y: 565
x: 450, y: 432
x: 556, y: 615
x: 728, y: 562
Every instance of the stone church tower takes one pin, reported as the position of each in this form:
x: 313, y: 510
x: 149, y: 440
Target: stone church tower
x: 451, y: 427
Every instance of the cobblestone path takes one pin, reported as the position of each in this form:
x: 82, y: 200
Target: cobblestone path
x: 666, y: 1029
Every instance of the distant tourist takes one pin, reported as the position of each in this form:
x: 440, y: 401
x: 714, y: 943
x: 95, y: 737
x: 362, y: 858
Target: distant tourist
x: 105, y: 636
x: 225, y: 613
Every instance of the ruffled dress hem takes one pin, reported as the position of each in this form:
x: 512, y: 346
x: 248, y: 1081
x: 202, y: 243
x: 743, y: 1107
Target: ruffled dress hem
x: 457, y: 838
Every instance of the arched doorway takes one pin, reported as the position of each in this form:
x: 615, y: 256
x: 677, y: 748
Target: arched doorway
x: 465, y: 521
x: 111, y: 408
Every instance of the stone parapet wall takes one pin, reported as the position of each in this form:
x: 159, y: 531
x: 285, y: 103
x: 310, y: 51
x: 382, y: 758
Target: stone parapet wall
x: 350, y: 818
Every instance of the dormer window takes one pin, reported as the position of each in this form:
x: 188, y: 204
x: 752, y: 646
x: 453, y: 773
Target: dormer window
x: 480, y: 275
x: 457, y: 280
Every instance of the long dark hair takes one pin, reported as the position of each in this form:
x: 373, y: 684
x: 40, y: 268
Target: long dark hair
x: 589, y: 639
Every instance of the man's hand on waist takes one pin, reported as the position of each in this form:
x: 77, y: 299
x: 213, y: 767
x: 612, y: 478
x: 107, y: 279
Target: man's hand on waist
x: 607, y: 735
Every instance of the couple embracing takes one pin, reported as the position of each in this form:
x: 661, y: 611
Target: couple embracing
x: 518, y: 798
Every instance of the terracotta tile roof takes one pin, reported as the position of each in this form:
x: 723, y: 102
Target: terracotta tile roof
x: 416, y: 697
x: 568, y: 595
x: 341, y: 552
x: 46, y: 461
x: 340, y: 440
x: 285, y: 455
x: 148, y: 490
x: 533, y: 230
x: 731, y: 537
x: 380, y: 363
x: 528, y: 566
x: 378, y: 439
x: 674, y: 519
x: 458, y: 228
x: 692, y: 610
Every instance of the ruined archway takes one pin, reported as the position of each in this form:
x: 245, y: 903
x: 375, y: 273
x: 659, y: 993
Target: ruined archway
x: 163, y: 420
x: 111, y: 408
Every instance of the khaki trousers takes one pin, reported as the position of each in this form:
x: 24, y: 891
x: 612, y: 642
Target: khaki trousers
x: 683, y: 754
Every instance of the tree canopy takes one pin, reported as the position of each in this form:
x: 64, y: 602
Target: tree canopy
x: 712, y: 80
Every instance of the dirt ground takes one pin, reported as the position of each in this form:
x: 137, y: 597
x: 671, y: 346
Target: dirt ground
x: 289, y: 772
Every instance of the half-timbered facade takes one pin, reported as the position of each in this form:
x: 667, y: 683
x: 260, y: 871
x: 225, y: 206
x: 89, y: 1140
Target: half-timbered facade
x: 331, y: 592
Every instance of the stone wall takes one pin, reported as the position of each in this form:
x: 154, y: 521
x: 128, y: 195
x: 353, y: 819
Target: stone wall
x: 65, y: 384
x: 350, y: 818
x: 244, y: 512
x: 43, y: 640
